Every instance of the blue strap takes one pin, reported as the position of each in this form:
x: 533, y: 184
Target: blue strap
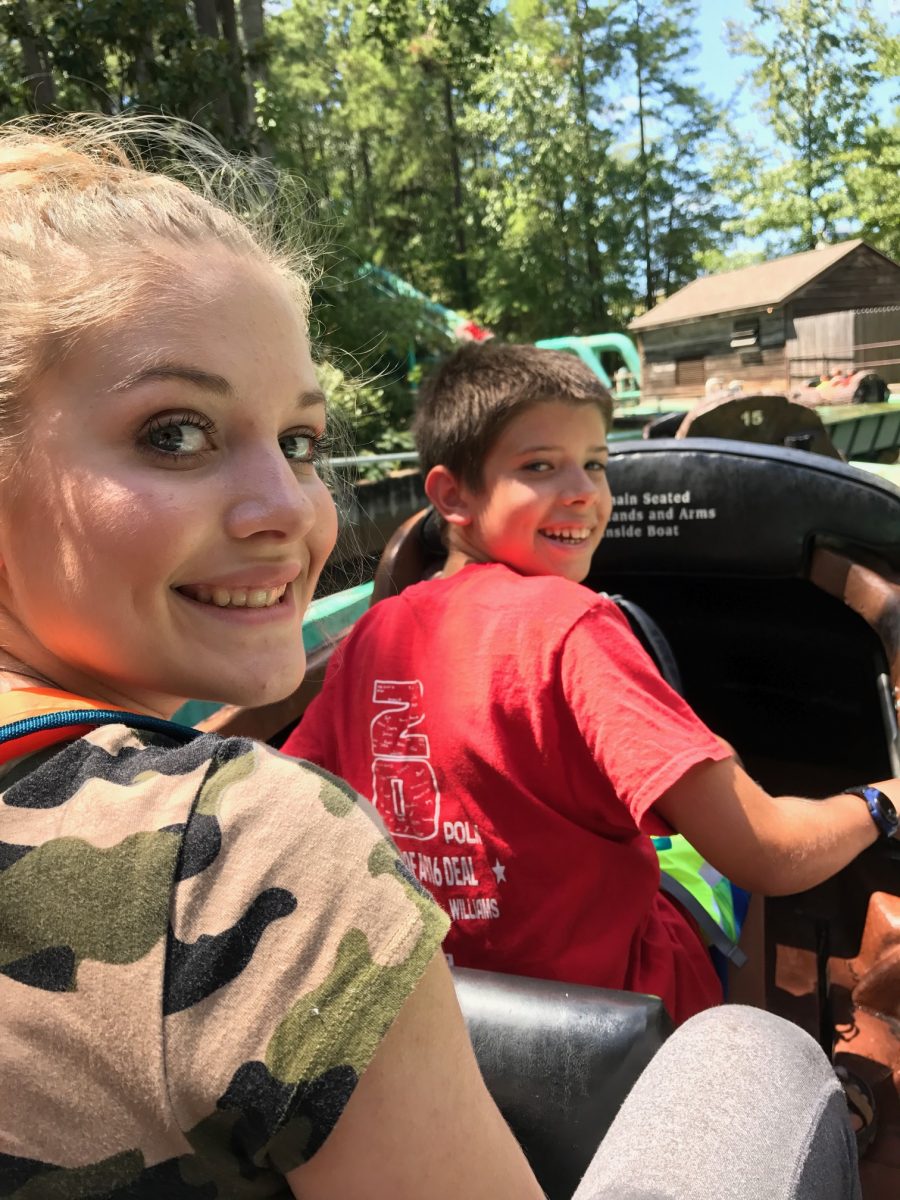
x: 97, y: 716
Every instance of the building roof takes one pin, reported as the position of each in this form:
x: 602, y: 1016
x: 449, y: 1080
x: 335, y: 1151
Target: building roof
x: 759, y: 286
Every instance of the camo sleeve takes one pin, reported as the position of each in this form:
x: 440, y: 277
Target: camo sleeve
x: 201, y: 947
x: 296, y: 936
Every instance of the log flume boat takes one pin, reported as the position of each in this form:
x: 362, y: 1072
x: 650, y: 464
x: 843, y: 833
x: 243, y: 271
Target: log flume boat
x: 774, y: 573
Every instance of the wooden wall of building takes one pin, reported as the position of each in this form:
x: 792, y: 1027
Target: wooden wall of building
x: 678, y: 359
x: 818, y: 329
x: 866, y: 338
x: 710, y: 336
x: 864, y: 279
x: 819, y: 343
x: 877, y: 341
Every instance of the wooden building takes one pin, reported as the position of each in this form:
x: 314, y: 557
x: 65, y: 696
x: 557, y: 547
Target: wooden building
x: 777, y: 324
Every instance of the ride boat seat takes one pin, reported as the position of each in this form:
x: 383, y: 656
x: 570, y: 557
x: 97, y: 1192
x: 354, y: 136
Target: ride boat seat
x: 775, y: 576
x: 559, y: 1060
x: 717, y: 507
x: 768, y: 419
x: 415, y: 551
x: 665, y: 426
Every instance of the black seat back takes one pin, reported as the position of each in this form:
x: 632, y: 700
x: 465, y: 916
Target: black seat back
x: 558, y: 1059
x: 716, y: 540
x: 711, y: 507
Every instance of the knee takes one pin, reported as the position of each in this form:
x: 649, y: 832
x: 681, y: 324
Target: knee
x: 744, y: 1038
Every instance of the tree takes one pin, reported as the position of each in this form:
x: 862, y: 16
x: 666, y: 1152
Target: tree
x: 874, y: 192
x: 118, y: 55
x: 817, y: 62
x: 677, y: 211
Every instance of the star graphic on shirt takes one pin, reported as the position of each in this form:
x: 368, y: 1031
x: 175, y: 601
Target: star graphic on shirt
x: 500, y: 871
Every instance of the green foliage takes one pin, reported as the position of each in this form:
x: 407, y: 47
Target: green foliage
x: 363, y: 419
x: 817, y: 62
x: 117, y: 55
x: 547, y: 167
x: 874, y: 188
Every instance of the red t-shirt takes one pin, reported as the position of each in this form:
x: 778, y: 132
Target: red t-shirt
x: 514, y: 736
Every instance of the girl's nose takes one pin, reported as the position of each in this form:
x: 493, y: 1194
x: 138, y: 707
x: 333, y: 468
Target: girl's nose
x: 268, y: 497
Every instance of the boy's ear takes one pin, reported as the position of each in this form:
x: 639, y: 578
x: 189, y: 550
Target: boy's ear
x: 448, y: 496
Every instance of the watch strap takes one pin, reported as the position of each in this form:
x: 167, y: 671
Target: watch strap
x: 881, y: 808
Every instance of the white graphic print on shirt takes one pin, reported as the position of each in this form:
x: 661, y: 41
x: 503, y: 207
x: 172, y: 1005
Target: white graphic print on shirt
x: 405, y: 791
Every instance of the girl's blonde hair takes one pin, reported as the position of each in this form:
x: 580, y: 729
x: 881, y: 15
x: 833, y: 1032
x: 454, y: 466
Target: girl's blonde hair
x: 92, y: 209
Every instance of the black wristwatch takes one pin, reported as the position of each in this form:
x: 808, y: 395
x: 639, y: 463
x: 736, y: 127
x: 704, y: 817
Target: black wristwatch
x: 881, y: 810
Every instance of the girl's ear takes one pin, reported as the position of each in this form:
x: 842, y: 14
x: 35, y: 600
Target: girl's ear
x: 449, y: 496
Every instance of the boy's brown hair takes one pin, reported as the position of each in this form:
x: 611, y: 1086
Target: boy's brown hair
x: 468, y: 401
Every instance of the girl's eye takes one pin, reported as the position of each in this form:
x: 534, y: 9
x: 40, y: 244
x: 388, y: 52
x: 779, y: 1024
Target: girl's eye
x: 595, y: 465
x: 183, y: 436
x: 538, y: 466
x: 301, y: 447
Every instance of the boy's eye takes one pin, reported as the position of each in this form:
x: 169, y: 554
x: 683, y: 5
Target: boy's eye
x: 300, y: 447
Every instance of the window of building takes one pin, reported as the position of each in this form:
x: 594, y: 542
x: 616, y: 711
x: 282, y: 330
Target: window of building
x: 744, y: 333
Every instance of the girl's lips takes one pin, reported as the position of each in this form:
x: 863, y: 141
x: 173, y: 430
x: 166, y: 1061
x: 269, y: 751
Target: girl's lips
x: 249, y: 579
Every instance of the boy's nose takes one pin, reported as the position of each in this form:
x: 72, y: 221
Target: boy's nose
x: 580, y: 486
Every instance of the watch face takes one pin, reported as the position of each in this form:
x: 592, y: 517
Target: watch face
x: 882, y: 810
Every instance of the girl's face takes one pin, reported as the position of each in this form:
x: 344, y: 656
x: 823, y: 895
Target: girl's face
x: 164, y: 531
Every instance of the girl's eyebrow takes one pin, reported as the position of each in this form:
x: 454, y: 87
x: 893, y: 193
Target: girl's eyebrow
x: 202, y: 379
x: 206, y: 380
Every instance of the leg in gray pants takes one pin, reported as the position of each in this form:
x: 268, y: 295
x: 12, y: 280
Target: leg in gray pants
x: 737, y: 1105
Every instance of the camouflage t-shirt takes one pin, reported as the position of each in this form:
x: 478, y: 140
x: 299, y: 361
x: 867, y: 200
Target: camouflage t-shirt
x: 201, y: 948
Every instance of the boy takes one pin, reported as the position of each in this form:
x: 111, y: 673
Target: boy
x: 513, y: 734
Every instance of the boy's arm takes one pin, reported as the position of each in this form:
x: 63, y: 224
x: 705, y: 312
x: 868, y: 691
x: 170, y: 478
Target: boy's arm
x: 776, y: 845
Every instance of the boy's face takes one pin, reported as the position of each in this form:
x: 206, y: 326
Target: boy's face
x: 544, y: 501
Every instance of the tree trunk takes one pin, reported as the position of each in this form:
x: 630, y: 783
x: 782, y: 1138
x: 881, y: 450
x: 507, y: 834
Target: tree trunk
x: 237, y: 90
x: 253, y: 26
x: 566, y: 257
x: 207, y: 18
x: 41, y: 93
x: 649, y: 288
x: 366, y: 164
x: 587, y: 202
x: 808, y: 151
x: 459, y: 229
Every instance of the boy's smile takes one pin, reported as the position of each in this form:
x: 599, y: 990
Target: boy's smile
x: 544, y: 501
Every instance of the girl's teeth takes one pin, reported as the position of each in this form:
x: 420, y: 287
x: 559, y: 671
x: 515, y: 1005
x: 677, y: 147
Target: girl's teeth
x: 239, y: 597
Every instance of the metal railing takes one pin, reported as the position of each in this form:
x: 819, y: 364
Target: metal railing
x: 368, y: 460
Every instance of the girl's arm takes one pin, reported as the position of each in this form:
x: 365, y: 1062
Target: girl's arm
x: 421, y: 1121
